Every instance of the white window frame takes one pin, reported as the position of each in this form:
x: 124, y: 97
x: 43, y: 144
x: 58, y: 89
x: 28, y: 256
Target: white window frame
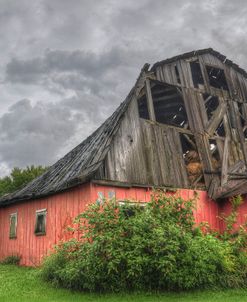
x: 10, y: 221
x: 38, y: 213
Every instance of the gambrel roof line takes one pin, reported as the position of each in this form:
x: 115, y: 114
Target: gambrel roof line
x: 193, y: 53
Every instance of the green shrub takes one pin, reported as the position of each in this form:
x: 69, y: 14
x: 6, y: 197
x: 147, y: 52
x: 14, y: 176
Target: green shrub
x: 13, y: 259
x: 153, y: 248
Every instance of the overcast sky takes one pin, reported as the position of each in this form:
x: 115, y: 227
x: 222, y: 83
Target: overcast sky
x: 67, y: 64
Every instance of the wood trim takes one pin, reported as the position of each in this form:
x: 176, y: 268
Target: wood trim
x: 216, y: 119
x: 150, y: 100
x: 224, y: 168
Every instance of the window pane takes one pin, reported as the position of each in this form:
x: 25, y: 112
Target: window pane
x: 40, y: 225
x: 12, y: 228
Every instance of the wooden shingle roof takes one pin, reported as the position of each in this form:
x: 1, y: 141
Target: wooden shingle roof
x: 75, y: 167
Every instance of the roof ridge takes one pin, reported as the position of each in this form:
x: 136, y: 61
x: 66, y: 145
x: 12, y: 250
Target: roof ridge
x: 189, y: 54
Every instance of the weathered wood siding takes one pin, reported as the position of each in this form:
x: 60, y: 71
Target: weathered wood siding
x: 146, y: 152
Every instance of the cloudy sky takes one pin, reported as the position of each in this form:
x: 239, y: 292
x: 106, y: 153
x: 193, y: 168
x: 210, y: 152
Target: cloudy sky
x: 66, y: 65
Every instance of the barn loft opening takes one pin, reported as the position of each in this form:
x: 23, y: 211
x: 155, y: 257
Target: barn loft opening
x: 169, y: 106
x: 143, y: 107
x: 211, y: 103
x: 196, y: 73
x: 192, y: 160
x: 216, y: 77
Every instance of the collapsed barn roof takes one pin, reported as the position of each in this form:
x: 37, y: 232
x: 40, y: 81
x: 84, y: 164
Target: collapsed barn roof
x: 82, y: 163
x: 77, y: 166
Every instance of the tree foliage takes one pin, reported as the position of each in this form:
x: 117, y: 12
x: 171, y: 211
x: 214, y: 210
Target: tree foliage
x: 156, y: 247
x: 18, y: 178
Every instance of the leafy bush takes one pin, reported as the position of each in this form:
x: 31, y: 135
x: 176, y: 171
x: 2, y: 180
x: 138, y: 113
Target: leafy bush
x: 156, y: 247
x: 13, y: 259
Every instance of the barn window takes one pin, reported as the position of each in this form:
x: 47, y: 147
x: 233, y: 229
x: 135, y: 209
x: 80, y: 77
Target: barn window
x: 129, y: 209
x: 40, y: 224
x: 169, y: 106
x: 196, y: 73
x: 216, y: 77
x: 13, y: 226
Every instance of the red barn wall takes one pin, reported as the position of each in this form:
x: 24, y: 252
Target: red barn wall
x: 63, y: 207
x: 206, y: 209
x: 225, y: 208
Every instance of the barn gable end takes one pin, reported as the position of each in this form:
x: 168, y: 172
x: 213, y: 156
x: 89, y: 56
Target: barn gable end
x: 194, y: 134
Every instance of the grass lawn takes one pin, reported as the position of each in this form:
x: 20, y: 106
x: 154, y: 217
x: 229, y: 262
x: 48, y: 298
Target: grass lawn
x: 23, y: 284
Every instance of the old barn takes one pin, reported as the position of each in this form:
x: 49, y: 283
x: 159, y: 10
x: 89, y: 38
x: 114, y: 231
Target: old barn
x: 183, y: 125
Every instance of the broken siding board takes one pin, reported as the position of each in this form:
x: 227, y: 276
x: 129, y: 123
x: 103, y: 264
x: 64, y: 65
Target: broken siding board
x: 216, y: 119
x: 204, y: 74
x: 186, y: 73
x: 179, y: 160
x: 220, y: 147
x: 203, y: 148
x: 164, y: 168
x: 150, y: 100
x: 193, y: 110
x: 224, y: 168
x: 181, y: 73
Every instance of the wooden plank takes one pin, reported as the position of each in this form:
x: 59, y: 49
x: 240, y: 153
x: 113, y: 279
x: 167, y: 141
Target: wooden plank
x: 224, y: 168
x: 216, y: 119
x: 150, y: 100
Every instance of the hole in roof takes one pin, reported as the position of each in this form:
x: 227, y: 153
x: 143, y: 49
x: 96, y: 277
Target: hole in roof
x: 216, y: 77
x: 169, y: 106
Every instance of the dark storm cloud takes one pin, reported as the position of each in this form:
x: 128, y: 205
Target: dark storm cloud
x: 66, y: 65
x: 30, y: 133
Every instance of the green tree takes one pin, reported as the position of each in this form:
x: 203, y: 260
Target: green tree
x: 18, y: 178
